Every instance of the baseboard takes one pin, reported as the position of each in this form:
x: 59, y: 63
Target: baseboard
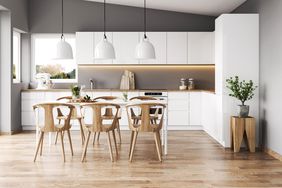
x: 11, y: 132
x: 273, y: 153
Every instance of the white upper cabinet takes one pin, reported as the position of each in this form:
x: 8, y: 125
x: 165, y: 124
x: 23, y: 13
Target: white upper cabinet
x: 85, y: 47
x: 201, y: 48
x: 158, y: 39
x: 98, y: 36
x: 125, y: 44
x: 177, y: 48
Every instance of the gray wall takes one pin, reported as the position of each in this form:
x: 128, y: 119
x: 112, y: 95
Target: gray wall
x: 148, y: 78
x: 270, y: 69
x: 11, y: 108
x: 45, y: 17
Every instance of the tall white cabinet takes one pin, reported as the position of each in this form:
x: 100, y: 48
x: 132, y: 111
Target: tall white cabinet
x: 236, y: 54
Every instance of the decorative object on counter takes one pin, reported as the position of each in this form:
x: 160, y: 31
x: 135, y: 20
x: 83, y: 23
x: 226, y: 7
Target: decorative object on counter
x: 104, y: 49
x: 92, y: 83
x: 127, y: 80
x: 75, y: 90
x: 243, y: 91
x: 43, y: 81
x: 64, y: 50
x: 183, y: 84
x: 191, y: 84
x: 125, y: 96
x: 145, y: 49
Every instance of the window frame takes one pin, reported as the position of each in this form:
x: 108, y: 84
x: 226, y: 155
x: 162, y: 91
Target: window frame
x: 19, y: 63
x: 33, y: 65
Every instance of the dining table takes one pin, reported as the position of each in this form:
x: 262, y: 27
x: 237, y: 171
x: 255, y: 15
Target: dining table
x: 123, y: 104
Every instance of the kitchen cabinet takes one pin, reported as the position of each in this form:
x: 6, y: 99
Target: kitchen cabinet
x: 125, y: 44
x: 195, y: 103
x: 85, y: 47
x: 177, y: 48
x: 201, y: 48
x: 158, y: 39
x: 98, y: 36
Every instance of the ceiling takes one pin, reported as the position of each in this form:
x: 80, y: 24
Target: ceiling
x: 204, y: 7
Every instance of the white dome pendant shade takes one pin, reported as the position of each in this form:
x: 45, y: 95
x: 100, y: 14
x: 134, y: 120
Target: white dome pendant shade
x: 104, y: 50
x: 64, y: 50
x: 145, y: 50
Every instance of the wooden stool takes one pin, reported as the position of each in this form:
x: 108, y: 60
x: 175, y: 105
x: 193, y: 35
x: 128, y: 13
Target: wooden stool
x: 243, y: 128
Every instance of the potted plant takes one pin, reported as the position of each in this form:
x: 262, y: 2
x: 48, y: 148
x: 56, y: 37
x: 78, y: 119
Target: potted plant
x: 243, y: 91
x: 125, y: 96
x: 75, y: 90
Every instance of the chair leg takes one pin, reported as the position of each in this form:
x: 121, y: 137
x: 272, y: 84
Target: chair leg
x: 98, y: 137
x: 69, y: 136
x: 94, y: 138
x: 85, y: 147
x: 81, y: 131
x: 41, y: 147
x: 110, y: 147
x: 38, y: 145
x: 131, y: 139
x: 56, y: 138
x: 160, y: 143
x: 115, y: 142
x: 157, y: 146
x: 63, y: 148
x: 118, y: 130
x: 133, y: 145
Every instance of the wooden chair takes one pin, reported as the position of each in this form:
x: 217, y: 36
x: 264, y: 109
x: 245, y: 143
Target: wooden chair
x: 142, y: 98
x: 74, y: 116
x: 109, y: 114
x: 100, y: 124
x: 49, y: 125
x: 146, y: 125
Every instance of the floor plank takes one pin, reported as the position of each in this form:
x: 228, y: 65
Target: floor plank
x: 194, y: 160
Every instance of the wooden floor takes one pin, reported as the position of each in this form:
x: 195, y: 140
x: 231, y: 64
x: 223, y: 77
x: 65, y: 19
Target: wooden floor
x: 194, y: 160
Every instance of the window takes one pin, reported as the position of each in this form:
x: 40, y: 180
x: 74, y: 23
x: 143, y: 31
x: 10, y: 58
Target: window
x: 43, y: 54
x: 16, y: 57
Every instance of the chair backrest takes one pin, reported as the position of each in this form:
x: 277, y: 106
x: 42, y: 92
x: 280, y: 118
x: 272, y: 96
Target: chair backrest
x: 48, y: 119
x: 96, y: 110
x: 143, y: 98
x: 147, y: 122
x: 67, y: 99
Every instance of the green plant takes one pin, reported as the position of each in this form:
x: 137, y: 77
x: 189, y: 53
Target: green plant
x: 75, y: 90
x: 125, y: 96
x: 241, y: 90
x: 87, y: 98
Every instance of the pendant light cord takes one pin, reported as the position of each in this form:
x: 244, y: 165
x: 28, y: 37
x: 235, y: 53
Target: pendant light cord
x: 62, y: 36
x: 105, y: 37
x: 145, y: 19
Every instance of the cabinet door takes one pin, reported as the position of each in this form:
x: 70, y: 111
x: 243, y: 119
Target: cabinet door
x: 158, y: 39
x: 98, y: 36
x: 201, y: 48
x: 125, y: 44
x: 177, y: 48
x: 195, y: 108
x: 85, y: 47
x: 176, y: 118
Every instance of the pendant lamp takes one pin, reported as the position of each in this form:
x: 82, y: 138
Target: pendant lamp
x: 64, y: 50
x: 104, y: 49
x: 145, y: 49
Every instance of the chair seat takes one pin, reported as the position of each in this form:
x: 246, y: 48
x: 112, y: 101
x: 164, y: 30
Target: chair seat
x: 105, y: 127
x: 58, y: 127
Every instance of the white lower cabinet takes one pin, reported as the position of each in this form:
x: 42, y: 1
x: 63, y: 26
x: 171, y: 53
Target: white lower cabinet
x: 184, y: 108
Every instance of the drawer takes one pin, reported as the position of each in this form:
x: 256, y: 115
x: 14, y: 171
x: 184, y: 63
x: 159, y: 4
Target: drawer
x: 178, y: 118
x: 33, y: 95
x: 178, y: 95
x: 180, y: 105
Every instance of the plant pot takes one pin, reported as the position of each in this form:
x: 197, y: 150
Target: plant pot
x: 243, y: 111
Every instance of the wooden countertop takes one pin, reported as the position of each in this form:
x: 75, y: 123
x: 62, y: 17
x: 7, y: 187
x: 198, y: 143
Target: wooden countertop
x: 119, y: 90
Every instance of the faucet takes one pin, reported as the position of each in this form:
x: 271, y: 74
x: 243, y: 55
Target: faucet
x: 92, y: 84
